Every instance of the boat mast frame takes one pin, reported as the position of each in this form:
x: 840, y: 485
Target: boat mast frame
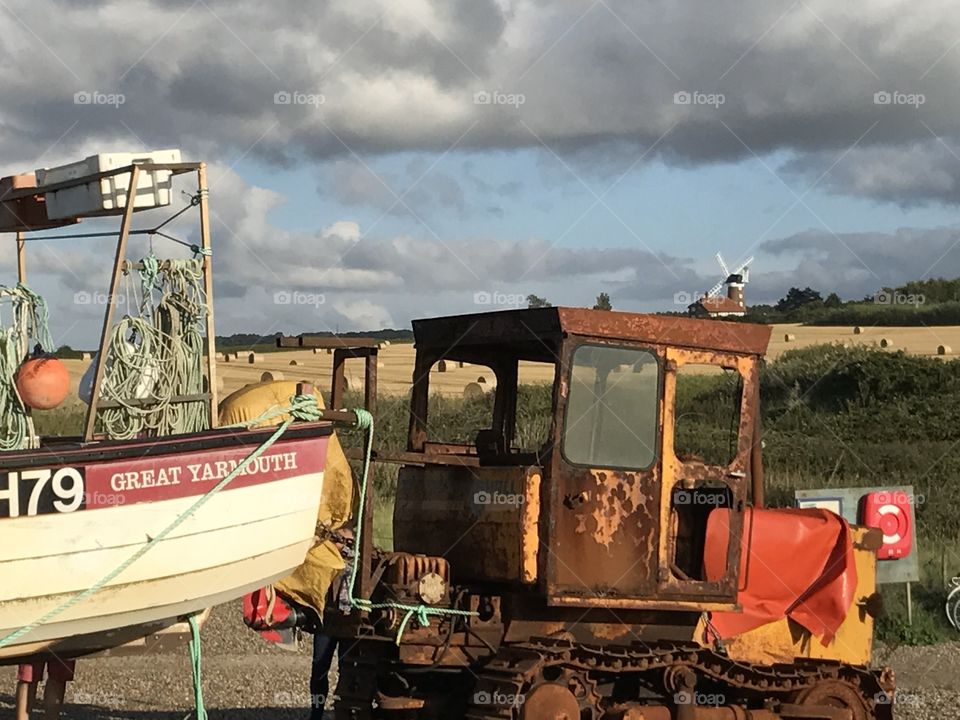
x: 120, y: 265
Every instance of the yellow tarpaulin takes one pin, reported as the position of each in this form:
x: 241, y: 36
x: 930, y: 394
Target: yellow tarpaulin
x: 309, y: 583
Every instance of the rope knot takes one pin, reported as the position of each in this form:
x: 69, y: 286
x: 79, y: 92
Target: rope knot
x: 305, y: 407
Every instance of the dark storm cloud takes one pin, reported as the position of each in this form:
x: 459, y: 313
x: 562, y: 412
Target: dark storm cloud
x: 598, y: 81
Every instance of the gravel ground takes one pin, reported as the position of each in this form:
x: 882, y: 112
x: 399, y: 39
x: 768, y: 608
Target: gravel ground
x: 247, y: 679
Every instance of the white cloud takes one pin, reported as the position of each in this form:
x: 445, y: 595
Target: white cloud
x: 364, y: 314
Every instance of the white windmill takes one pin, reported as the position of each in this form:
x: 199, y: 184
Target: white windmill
x: 734, y: 281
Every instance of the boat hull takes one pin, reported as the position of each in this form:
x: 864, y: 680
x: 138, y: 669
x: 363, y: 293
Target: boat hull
x: 55, y: 543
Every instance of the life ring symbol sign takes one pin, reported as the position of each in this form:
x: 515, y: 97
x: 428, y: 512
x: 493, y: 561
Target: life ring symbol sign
x: 890, y: 512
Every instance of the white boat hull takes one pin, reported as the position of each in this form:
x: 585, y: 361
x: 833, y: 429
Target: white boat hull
x: 242, y: 538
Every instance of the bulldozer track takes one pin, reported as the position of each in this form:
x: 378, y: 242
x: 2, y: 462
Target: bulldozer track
x: 503, y: 682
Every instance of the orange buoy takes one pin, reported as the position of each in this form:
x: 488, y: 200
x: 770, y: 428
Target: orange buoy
x: 43, y: 382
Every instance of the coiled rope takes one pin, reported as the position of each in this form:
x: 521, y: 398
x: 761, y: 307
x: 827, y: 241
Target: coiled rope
x: 29, y: 320
x: 157, y: 355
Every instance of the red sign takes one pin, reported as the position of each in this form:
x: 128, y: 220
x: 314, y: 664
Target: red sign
x: 890, y: 511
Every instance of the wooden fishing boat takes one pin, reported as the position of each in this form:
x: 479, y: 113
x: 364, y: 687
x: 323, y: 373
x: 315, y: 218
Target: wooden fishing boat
x: 73, y: 510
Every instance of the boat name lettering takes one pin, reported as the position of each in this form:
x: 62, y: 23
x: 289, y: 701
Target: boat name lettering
x: 136, y: 479
x: 205, y: 472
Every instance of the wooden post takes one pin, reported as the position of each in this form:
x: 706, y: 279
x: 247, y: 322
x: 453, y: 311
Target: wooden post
x: 338, y: 382
x: 909, y: 605
x: 370, y: 381
x: 111, y: 302
x: 419, y: 402
x: 21, y: 258
x: 203, y: 191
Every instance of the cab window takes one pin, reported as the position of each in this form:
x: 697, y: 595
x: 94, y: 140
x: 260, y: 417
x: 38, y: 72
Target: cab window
x: 611, y: 419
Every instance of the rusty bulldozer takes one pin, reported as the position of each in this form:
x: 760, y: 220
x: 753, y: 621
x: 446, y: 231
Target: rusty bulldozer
x: 611, y: 572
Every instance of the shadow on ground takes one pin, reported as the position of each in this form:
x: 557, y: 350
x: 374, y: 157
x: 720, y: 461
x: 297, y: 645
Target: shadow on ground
x: 95, y: 712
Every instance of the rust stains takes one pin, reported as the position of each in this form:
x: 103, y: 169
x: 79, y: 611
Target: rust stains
x: 617, y: 497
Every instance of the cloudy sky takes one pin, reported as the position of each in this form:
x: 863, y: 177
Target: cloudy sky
x: 389, y: 160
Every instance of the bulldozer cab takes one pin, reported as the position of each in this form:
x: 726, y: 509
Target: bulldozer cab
x: 614, y: 506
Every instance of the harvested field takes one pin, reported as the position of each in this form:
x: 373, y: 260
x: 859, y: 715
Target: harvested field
x: 395, y: 367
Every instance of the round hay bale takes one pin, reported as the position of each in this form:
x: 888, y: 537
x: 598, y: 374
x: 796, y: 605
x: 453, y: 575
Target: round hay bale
x: 442, y: 366
x: 271, y: 375
x: 857, y: 330
x: 461, y: 364
x: 85, y: 356
x: 329, y: 351
x: 789, y: 337
x: 482, y: 380
x: 472, y: 391
x: 385, y: 342
x: 886, y: 343
x: 317, y: 351
x: 235, y: 355
x: 254, y: 358
x: 944, y: 350
x: 294, y: 362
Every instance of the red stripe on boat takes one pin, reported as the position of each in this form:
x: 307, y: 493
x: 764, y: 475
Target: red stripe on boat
x: 166, y: 477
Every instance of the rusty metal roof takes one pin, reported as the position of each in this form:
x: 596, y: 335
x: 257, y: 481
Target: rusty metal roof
x: 544, y: 326
x: 720, y: 305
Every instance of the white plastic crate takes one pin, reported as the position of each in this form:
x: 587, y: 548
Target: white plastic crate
x: 109, y: 195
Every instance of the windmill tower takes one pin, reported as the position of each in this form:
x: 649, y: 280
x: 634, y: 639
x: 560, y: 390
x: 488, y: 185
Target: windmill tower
x: 716, y: 305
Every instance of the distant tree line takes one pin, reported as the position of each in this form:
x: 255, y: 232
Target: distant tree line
x: 251, y: 339
x: 918, y: 302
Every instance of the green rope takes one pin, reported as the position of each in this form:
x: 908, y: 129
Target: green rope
x: 14, y: 427
x: 157, y: 354
x: 421, y: 612
x: 38, y: 317
x: 195, y: 664
x: 30, y: 319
